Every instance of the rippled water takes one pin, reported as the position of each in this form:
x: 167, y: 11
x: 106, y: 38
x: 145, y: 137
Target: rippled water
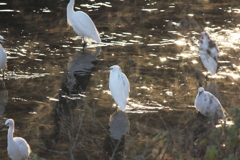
x: 59, y: 97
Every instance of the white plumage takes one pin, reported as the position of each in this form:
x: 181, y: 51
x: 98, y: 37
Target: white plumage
x: 208, y: 52
x: 209, y: 62
x: 208, y: 105
x: 82, y: 24
x: 3, y: 55
x: 3, y: 58
x: 18, y: 148
x: 119, y: 86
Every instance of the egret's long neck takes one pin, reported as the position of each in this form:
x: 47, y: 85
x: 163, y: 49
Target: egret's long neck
x: 10, y: 133
x: 70, y: 11
x: 70, y: 6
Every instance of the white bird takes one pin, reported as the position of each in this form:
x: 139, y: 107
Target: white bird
x: 18, y: 148
x: 208, y: 52
x: 119, y: 86
x: 3, y: 55
x: 208, y: 105
x: 209, y: 62
x: 82, y: 24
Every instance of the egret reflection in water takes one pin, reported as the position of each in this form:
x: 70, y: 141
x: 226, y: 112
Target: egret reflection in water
x: 79, y: 70
x: 119, y: 124
x: 3, y: 97
x: 115, y: 141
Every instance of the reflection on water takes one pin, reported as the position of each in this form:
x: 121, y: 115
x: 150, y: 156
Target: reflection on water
x: 59, y: 98
x: 3, y: 97
x: 80, y: 68
x: 119, y: 125
x: 114, y: 142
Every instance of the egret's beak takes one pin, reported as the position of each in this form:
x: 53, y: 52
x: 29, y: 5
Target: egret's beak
x: 108, y: 69
x: 3, y: 127
x: 4, y: 40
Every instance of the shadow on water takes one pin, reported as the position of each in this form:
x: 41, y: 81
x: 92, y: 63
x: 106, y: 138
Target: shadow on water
x: 114, y: 141
x: 79, y: 70
x: 3, y: 97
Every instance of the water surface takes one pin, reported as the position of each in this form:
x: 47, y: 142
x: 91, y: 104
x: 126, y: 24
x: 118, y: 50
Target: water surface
x: 59, y: 97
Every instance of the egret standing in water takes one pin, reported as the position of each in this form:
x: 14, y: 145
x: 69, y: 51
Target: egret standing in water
x: 208, y: 52
x: 18, y: 148
x: 82, y: 24
x: 119, y: 86
x: 3, y: 55
x: 208, y: 105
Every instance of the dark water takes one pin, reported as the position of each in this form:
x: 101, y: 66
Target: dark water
x: 59, y: 97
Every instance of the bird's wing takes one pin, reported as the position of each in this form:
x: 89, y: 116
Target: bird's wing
x: 126, y: 85
x: 3, y: 57
x: 213, y: 49
x: 23, y: 148
x: 219, y: 105
x: 84, y: 26
x: 208, y: 61
x: 216, y: 106
x: 119, y: 87
x: 213, y: 52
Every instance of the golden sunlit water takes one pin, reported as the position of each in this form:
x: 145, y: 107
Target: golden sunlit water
x: 59, y: 97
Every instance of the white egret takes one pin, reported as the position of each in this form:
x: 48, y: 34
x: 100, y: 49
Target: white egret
x: 119, y: 86
x: 208, y: 105
x: 208, y: 52
x: 3, y: 55
x: 208, y: 61
x: 82, y: 24
x: 18, y: 148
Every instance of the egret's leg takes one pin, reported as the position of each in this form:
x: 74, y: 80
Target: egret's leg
x: 3, y: 73
x: 214, y: 120
x: 84, y: 43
